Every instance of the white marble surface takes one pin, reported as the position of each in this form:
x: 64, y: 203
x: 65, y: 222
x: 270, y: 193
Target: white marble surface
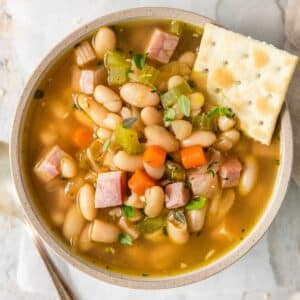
x: 28, y: 29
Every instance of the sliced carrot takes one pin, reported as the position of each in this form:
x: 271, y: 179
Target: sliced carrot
x: 139, y: 182
x: 193, y: 156
x: 82, y: 137
x: 155, y: 156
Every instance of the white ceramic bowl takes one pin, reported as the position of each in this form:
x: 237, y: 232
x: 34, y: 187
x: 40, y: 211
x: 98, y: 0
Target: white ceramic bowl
x: 51, y: 240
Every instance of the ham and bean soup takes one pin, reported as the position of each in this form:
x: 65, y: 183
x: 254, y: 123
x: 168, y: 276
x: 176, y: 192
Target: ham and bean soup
x: 129, y: 162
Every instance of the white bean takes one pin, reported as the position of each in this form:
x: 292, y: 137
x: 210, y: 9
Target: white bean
x: 85, y: 243
x: 151, y: 116
x: 177, y: 232
x: 129, y: 163
x: 225, y: 123
x: 174, y: 81
x: 188, y: 58
x: 112, y: 120
x: 139, y: 95
x: 57, y: 216
x: 104, y: 40
x: 182, y: 129
x: 202, y: 138
x: 155, y: 198
x: 223, y: 144
x: 196, y: 218
x: 158, y: 135
x: 135, y: 200
x: 155, y: 173
x: 233, y: 135
x: 104, y: 232
x: 128, y: 227
x: 68, y: 167
x: 103, y: 133
x: 109, y: 98
x: 85, y: 198
x: 108, y: 160
x: 249, y: 175
x: 73, y: 223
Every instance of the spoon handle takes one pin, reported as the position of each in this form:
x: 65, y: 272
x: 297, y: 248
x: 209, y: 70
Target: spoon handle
x: 62, y: 290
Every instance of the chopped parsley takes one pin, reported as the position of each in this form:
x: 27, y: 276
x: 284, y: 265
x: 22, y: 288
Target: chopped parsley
x: 221, y: 111
x: 125, y: 239
x: 179, y: 216
x: 210, y: 169
x: 196, y: 203
x: 139, y: 60
x: 169, y: 114
x: 128, y: 211
x: 127, y: 123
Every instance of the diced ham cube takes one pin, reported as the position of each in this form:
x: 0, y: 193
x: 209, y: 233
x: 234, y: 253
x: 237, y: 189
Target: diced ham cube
x: 203, y: 183
x: 86, y: 80
x: 177, y: 195
x: 162, y: 46
x: 48, y: 167
x: 110, y: 189
x: 230, y: 172
x: 85, y: 54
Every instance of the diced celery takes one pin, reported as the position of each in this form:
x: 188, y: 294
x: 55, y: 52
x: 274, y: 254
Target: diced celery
x: 170, y: 98
x: 175, y: 171
x: 150, y: 225
x: 203, y: 122
x: 148, y: 75
x: 116, y: 75
x: 171, y: 69
x: 117, y: 67
x: 176, y: 27
x: 127, y: 138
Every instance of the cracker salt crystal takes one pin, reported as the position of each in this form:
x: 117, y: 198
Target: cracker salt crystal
x: 249, y: 76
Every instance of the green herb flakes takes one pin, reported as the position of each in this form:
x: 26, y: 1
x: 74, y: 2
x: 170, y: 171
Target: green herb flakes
x: 150, y: 225
x: 128, y: 211
x: 196, y: 203
x: 169, y: 114
x: 127, y: 123
x: 125, y: 239
x: 221, y: 111
x: 184, y: 105
x: 179, y: 216
x: 139, y: 60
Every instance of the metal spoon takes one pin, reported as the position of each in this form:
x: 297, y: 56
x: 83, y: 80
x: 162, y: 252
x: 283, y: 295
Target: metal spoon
x: 12, y: 210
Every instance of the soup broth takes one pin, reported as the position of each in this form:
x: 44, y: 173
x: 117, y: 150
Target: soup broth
x: 161, y: 219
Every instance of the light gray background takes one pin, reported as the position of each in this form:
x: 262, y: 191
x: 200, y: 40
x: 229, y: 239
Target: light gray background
x: 28, y: 29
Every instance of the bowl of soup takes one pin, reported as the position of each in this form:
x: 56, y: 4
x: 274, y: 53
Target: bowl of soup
x: 124, y: 167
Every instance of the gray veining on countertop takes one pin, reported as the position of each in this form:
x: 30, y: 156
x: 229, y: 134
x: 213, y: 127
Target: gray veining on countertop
x: 272, y: 268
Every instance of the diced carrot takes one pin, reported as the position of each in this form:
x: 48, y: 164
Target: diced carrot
x: 139, y: 182
x: 193, y: 156
x: 82, y: 136
x: 155, y: 156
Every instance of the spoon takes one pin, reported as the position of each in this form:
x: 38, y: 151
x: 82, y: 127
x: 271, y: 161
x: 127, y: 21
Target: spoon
x: 8, y: 208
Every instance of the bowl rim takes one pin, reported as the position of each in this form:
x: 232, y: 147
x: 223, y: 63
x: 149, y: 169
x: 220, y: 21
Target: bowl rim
x: 15, y: 154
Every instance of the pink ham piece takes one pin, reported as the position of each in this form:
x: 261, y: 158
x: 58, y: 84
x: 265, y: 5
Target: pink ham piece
x: 177, y: 195
x: 86, y: 80
x: 162, y: 46
x: 230, y: 172
x: 48, y: 167
x: 202, y: 182
x: 110, y: 189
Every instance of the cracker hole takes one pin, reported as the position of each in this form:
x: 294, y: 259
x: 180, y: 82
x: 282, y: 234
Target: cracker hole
x: 269, y: 96
x: 245, y: 55
x: 261, y: 123
x: 225, y: 62
x: 217, y: 90
x: 258, y: 75
x: 213, y: 43
x: 249, y: 102
x: 278, y: 69
x: 238, y: 82
x: 205, y: 70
